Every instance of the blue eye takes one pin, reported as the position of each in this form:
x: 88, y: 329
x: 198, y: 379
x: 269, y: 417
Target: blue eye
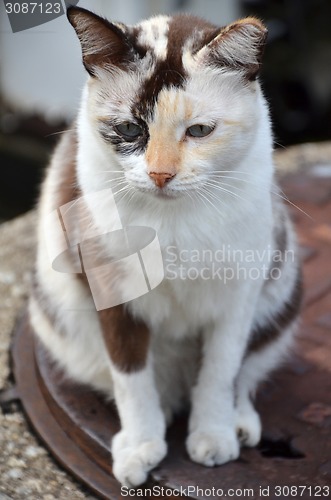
x: 129, y: 130
x: 199, y: 130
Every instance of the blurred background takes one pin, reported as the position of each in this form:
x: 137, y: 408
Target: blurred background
x: 41, y: 78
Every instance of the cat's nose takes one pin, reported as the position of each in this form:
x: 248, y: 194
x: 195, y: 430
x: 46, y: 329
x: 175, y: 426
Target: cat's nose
x: 161, y: 179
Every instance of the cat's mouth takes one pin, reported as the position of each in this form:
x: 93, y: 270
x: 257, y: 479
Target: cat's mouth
x: 164, y: 193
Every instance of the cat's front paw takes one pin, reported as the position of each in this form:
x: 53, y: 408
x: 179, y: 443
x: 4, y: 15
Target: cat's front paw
x: 132, y: 463
x: 213, y: 448
x: 248, y: 427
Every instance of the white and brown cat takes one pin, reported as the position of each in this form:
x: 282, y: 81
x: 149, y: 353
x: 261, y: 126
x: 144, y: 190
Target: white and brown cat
x: 173, y: 120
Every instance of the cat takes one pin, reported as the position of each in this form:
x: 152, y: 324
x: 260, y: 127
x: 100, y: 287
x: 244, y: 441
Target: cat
x: 174, y: 126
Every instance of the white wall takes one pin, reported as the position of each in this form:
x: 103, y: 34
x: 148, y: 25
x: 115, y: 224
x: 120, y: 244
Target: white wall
x: 41, y: 69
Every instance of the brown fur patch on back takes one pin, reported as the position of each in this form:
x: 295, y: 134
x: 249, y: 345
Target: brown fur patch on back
x: 67, y: 188
x: 262, y: 336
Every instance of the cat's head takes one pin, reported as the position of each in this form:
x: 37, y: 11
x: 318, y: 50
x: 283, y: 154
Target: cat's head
x: 173, y: 100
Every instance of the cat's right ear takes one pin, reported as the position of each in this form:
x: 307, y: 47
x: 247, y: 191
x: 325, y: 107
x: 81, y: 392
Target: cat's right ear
x: 103, y: 44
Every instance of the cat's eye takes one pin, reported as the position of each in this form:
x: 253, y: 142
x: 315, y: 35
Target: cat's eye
x: 199, y: 130
x: 129, y: 130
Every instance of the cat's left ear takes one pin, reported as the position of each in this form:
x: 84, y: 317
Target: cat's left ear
x: 239, y: 46
x: 102, y: 42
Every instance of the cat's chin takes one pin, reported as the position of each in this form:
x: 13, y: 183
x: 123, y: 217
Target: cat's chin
x: 161, y: 194
x: 166, y: 195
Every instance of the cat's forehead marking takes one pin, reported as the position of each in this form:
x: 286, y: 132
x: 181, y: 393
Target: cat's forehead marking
x: 169, y: 71
x: 153, y: 33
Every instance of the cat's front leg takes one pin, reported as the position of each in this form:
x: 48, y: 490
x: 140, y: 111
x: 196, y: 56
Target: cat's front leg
x: 140, y: 444
x: 212, y: 438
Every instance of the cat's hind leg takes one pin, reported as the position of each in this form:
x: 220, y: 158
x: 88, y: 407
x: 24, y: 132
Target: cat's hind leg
x: 256, y: 367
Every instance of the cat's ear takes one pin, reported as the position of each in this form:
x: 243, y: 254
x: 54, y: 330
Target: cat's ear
x: 239, y: 45
x: 103, y: 43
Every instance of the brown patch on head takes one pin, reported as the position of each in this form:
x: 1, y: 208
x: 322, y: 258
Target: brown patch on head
x: 170, y: 72
x: 126, y: 339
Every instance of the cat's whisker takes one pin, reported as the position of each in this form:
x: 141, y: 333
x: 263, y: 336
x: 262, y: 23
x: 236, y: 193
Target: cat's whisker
x: 72, y: 205
x: 239, y: 179
x: 234, y: 172
x: 219, y: 176
x: 223, y: 203
x: 217, y: 199
x: 111, y: 172
x: 217, y: 185
x: 115, y: 179
x: 60, y: 132
x: 202, y: 193
x: 187, y: 193
x: 129, y: 194
x: 202, y: 198
x: 221, y: 188
x: 125, y: 188
x: 280, y: 145
x: 231, y: 172
x: 285, y: 198
x: 213, y: 196
x: 119, y: 179
x: 116, y: 182
x: 130, y: 198
x: 193, y: 197
x: 276, y: 192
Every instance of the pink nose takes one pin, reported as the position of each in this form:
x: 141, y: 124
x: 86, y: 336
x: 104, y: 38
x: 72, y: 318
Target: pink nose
x: 161, y: 179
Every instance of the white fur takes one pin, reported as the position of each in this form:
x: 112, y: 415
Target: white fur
x: 179, y: 309
x: 154, y: 34
x: 140, y: 445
